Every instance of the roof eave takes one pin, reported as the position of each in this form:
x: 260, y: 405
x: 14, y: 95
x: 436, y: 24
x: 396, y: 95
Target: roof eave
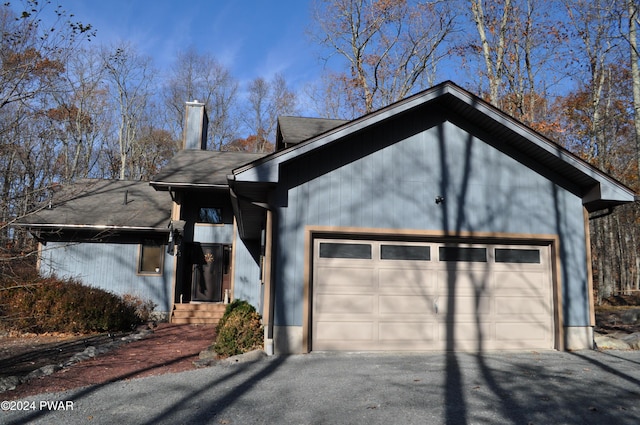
x: 97, y: 227
x: 165, y: 186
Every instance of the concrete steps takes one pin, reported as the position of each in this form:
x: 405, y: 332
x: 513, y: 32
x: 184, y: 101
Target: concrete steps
x: 197, y: 314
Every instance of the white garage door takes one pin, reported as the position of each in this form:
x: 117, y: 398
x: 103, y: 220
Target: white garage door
x: 387, y: 295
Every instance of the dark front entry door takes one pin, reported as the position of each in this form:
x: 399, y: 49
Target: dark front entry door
x: 207, y: 272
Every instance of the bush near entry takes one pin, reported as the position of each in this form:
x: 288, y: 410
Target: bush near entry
x: 54, y: 305
x: 239, y: 331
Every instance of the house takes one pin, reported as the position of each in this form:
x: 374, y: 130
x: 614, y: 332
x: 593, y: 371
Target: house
x: 436, y: 223
x: 110, y: 234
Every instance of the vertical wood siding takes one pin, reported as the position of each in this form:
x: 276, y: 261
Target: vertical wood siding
x: 206, y: 233
x: 109, y: 266
x: 389, y: 177
x: 247, y: 285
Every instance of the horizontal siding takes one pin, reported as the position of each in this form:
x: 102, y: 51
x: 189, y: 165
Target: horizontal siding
x: 109, y: 266
x: 394, y: 186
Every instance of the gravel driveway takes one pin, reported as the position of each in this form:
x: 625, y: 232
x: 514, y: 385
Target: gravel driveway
x: 587, y: 387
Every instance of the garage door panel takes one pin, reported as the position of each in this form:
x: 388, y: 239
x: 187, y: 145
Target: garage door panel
x: 344, y: 278
x: 459, y: 330
x: 344, y: 330
x: 522, y: 306
x: 464, y: 306
x: 519, y: 331
x: 521, y: 282
x: 464, y: 282
x: 416, y: 282
x: 407, y: 331
x: 344, y: 304
x: 402, y: 305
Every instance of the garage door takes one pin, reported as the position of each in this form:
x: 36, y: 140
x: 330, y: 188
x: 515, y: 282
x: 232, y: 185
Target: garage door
x: 386, y: 295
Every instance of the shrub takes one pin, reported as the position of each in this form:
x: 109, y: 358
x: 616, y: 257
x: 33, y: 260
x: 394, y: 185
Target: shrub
x: 143, y: 308
x: 239, y: 331
x: 54, y: 305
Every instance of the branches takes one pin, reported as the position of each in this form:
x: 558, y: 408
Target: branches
x: 386, y: 44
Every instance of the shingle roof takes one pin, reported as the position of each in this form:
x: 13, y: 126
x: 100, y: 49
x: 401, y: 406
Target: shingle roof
x: 199, y: 168
x: 104, y: 204
x: 293, y: 130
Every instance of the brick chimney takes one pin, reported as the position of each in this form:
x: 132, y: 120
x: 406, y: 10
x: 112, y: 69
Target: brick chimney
x: 196, y: 123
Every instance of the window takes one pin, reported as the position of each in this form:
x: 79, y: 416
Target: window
x: 530, y: 256
x: 345, y: 250
x: 151, y: 258
x: 405, y: 252
x: 476, y: 255
x: 210, y: 215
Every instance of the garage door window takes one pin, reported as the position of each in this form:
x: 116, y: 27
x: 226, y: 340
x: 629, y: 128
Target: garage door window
x: 405, y: 252
x: 345, y: 250
x: 528, y: 256
x: 474, y: 255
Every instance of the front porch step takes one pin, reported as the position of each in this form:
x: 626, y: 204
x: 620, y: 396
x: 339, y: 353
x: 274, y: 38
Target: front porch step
x: 197, y: 314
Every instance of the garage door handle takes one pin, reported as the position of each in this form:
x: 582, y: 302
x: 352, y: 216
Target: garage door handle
x: 435, y: 305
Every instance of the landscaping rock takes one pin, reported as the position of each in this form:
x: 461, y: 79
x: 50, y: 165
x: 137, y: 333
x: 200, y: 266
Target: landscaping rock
x: 606, y: 342
x: 633, y: 340
x: 137, y: 336
x: 251, y: 356
x: 207, y: 354
x: 208, y: 358
x: 43, y: 371
x: 88, y: 353
x: 9, y: 383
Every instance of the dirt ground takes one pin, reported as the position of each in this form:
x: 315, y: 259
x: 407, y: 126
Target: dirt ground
x: 168, y: 349
x: 618, y: 314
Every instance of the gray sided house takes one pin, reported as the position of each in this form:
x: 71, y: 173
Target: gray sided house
x: 436, y: 223
x: 109, y: 234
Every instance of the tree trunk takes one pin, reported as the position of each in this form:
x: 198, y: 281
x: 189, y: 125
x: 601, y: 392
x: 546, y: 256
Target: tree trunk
x: 635, y: 75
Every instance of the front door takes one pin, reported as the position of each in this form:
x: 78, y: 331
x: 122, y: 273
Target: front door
x: 207, y: 272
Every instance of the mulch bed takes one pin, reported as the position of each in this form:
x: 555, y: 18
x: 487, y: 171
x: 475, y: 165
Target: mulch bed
x: 169, y: 349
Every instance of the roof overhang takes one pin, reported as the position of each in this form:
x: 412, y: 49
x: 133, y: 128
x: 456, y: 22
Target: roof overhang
x: 173, y: 187
x: 597, y: 188
x: 53, y: 226
x: 250, y: 203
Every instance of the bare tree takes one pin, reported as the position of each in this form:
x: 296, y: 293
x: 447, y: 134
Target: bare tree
x: 79, y: 116
x: 129, y: 77
x: 594, y: 25
x: 494, y: 49
x: 32, y: 59
x: 266, y: 101
x: 632, y: 36
x: 389, y: 46
x: 201, y: 77
x: 31, y: 54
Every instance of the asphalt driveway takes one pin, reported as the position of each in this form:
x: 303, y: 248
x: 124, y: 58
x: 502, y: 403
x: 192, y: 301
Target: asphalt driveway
x: 586, y: 387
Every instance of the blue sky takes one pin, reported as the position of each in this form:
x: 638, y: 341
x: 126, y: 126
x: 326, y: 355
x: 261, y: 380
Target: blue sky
x: 252, y: 38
